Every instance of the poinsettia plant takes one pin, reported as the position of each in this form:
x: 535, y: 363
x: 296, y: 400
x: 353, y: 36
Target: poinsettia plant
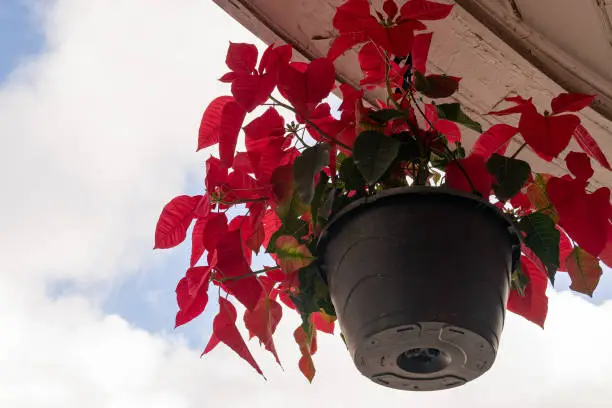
x: 278, y: 194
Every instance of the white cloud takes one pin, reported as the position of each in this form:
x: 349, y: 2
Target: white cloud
x: 97, y: 134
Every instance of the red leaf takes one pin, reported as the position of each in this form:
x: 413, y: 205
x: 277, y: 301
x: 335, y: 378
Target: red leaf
x: 420, y: 51
x: 221, y: 123
x: 584, y: 270
x: 305, y: 90
x: 224, y: 327
x: 449, y: 129
x: 494, y: 140
x: 253, y: 90
x: 242, y: 163
x: 269, y: 124
x: 341, y: 44
x: 212, y: 343
x: 292, y: 255
x: 372, y: 65
x: 579, y: 165
x: 583, y: 216
x: 425, y: 10
x: 323, y: 323
x: 565, y: 248
x: 308, y: 346
x: 231, y: 122
x: 571, y: 102
x: 274, y: 58
x: 282, y: 183
x: 241, y: 58
x: 589, y: 146
x: 547, y: 135
x: 229, y: 77
x: 390, y: 8
x: 216, y: 173
x: 606, y: 254
x: 241, y: 186
x: 535, y: 261
x: 174, y: 221
x: 401, y: 37
x: 262, y: 322
x: 477, y: 172
x: 534, y: 305
x: 521, y: 105
x: 197, y: 241
x: 192, y: 294
x: 271, y: 224
x: 231, y: 263
x: 216, y: 227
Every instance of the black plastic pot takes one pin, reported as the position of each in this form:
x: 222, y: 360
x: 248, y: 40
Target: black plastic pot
x: 420, y: 278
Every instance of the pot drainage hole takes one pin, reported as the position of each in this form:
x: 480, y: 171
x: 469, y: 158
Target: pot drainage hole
x: 423, y: 360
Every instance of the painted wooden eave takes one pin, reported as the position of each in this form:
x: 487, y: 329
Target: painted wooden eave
x: 484, y: 41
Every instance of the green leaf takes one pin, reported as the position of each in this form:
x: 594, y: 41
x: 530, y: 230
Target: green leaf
x: 511, y: 174
x: 453, y: 112
x: 349, y: 173
x: 289, y: 213
x: 306, y: 166
x: 385, y: 115
x: 291, y: 210
x: 543, y: 239
x: 321, y: 189
x: 409, y: 148
x: 420, y: 82
x: 435, y: 86
x: 327, y: 207
x: 519, y: 280
x: 291, y: 254
x: 373, y: 153
x: 313, y: 293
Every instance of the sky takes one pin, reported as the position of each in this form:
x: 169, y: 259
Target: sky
x: 100, y: 102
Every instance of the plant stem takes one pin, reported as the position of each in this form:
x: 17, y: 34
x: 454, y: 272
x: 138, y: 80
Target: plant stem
x: 254, y: 273
x: 388, y: 83
x: 445, y: 145
x: 519, y: 150
x: 314, y: 126
x: 300, y: 138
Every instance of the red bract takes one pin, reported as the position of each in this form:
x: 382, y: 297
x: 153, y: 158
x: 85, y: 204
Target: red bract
x: 192, y: 294
x: 474, y: 167
x: 221, y: 124
x: 308, y: 347
x: 356, y: 25
x: 225, y: 331
x: 261, y: 322
x: 174, y: 220
x: 547, y: 135
x: 534, y: 305
x: 449, y: 129
x: 567, y: 102
x: 234, y: 272
x: 494, y: 140
x: 589, y: 146
x: 253, y: 87
x: 425, y: 10
x: 583, y: 216
x: 579, y: 165
x: 305, y: 90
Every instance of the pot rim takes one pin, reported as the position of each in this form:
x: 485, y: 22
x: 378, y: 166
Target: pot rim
x: 512, y: 227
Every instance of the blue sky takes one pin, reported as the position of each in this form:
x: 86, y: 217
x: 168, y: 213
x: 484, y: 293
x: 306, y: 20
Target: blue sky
x: 20, y: 35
